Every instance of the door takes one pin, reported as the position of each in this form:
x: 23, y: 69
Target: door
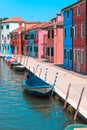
x: 78, y: 60
x: 67, y: 58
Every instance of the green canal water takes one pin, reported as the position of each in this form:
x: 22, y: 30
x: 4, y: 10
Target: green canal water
x: 20, y: 111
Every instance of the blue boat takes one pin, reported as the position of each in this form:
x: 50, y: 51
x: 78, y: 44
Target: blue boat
x: 73, y: 126
x: 36, y: 86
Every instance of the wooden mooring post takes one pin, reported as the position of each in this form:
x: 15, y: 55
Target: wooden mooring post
x: 67, y: 95
x: 75, y: 116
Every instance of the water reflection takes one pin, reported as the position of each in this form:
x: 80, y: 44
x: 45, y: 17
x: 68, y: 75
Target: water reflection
x: 42, y: 105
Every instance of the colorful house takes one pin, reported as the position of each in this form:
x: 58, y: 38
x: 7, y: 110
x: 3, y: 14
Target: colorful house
x: 36, y: 41
x: 67, y: 37
x: 19, y: 38
x: 54, y: 40
x: 75, y: 44
x: 6, y: 26
x: 80, y: 36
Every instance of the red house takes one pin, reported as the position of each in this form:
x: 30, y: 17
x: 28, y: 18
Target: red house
x: 80, y: 36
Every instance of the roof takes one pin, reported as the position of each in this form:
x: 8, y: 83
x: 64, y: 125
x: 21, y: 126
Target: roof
x: 50, y: 24
x: 27, y: 27
x: 39, y: 26
x: 18, y: 30
x: 70, y: 6
x: 13, y: 19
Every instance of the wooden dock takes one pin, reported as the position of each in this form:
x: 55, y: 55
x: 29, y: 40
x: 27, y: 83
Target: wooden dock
x: 65, y: 77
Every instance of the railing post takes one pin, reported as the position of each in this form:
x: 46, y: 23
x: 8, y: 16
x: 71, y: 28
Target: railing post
x: 46, y: 74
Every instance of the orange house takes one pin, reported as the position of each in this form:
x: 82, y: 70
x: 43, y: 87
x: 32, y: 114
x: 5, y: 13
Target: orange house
x: 54, y: 41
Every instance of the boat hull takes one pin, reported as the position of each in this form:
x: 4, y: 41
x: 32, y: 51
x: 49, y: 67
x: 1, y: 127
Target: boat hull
x: 19, y: 68
x: 42, y: 91
x: 39, y: 92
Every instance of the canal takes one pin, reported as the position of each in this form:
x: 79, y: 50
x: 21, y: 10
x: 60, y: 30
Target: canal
x: 20, y: 111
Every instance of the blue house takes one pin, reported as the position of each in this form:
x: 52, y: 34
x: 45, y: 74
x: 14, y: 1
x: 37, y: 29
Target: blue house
x: 68, y: 44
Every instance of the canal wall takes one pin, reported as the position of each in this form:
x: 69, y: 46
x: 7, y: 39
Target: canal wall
x: 65, y: 77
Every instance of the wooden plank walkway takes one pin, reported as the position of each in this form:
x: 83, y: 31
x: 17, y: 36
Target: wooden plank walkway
x: 64, y: 78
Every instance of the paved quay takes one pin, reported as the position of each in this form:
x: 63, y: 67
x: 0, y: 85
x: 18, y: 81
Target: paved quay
x: 65, y: 77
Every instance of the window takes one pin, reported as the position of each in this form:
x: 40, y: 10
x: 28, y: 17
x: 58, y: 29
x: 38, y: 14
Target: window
x: 52, y: 51
x: 7, y: 26
x: 48, y: 33
x: 64, y: 53
x: 64, y: 32
x: 48, y: 51
x: 52, y: 33
x: 8, y: 37
x: 1, y: 27
x: 82, y: 30
x: 74, y: 31
x: 2, y: 36
x: 70, y: 54
x: 35, y: 48
x: 75, y: 55
x: 78, y: 11
x: 23, y: 37
x: 11, y: 36
x: 32, y: 36
x: 82, y: 56
x: 79, y: 55
x: 70, y: 31
x: 8, y: 47
x: 68, y: 14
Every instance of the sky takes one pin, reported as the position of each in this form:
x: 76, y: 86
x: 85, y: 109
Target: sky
x: 33, y: 10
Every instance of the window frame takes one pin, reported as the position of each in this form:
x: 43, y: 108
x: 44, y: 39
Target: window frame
x: 78, y: 11
x: 75, y: 55
x: 82, y: 30
x: 7, y: 26
x: 82, y: 56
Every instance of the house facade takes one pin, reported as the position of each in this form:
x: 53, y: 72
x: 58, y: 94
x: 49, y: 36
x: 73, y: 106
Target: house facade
x: 67, y: 37
x: 19, y: 38
x: 36, y: 41
x: 54, y: 40
x: 80, y: 37
x: 6, y: 27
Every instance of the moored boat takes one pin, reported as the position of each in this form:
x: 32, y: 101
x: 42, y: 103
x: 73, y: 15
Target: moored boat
x: 36, y: 86
x: 19, y: 68
x: 14, y: 63
x: 7, y: 57
x: 10, y: 60
x: 75, y: 126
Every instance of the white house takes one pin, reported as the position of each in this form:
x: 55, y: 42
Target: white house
x: 6, y: 27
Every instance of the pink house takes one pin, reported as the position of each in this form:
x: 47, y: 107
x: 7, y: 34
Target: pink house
x: 54, y: 40
x: 36, y: 41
